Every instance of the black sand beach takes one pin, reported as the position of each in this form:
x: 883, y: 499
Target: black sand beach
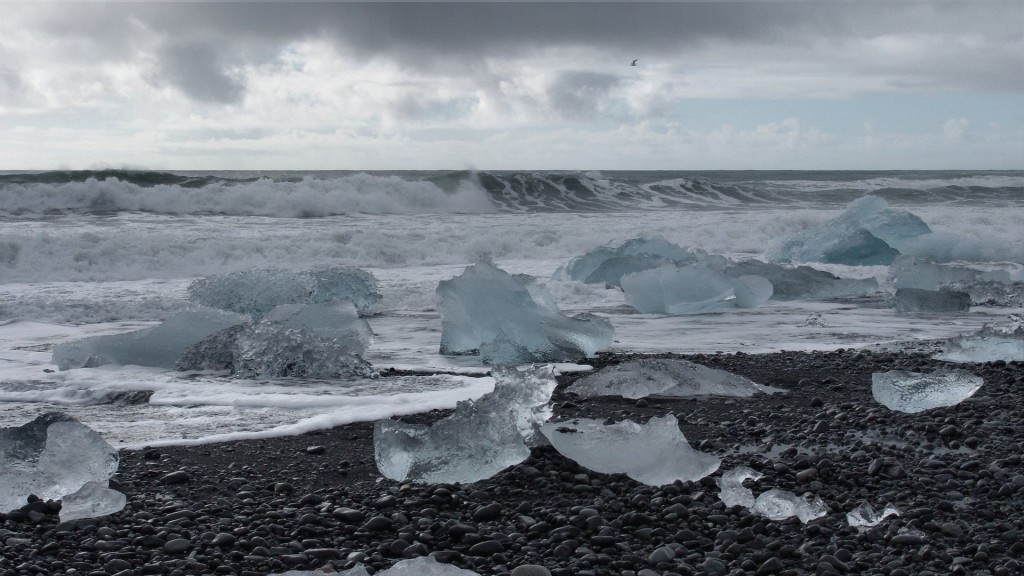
x: 316, y: 501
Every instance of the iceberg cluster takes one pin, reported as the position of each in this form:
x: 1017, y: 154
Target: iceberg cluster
x: 773, y: 504
x: 608, y: 264
x: 1000, y: 285
x: 487, y: 311
x: 914, y: 392
x: 665, y: 377
x: 256, y: 292
x: 801, y: 282
x: 655, y: 453
x: 985, y: 345
x: 480, y: 439
x: 58, y: 457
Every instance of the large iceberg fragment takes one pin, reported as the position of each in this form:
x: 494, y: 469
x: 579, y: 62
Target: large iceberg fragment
x: 92, y: 500
x: 52, y: 457
x: 933, y: 301
x: 864, y: 516
x: 752, y: 291
x: 802, y: 281
x: 913, y: 392
x: 912, y: 272
x: 609, y: 264
x: 257, y: 292
x: 665, y: 377
x: 158, y: 346
x: 292, y: 340
x: 421, y: 566
x: 774, y: 504
x: 480, y: 439
x: 655, y: 453
x: 867, y: 233
x: 692, y: 289
x: 487, y: 311
x: 986, y: 345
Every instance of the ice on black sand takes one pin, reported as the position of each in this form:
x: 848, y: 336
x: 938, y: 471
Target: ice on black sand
x: 913, y: 392
x: 986, y: 345
x: 774, y: 504
x: 665, y: 377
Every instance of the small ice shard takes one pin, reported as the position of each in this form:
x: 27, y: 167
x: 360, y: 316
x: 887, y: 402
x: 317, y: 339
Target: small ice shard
x: 778, y: 504
x: 732, y: 492
x: 158, y: 346
x: 51, y: 457
x: 914, y: 392
x: 92, y: 500
x: 665, y: 377
x: 608, y: 265
x: 480, y: 439
x: 256, y: 292
x: 292, y: 340
x: 814, y: 319
x: 985, y: 345
x: 801, y: 282
x: 752, y: 291
x: 655, y: 453
x: 692, y: 289
x: 931, y: 301
x: 864, y: 516
x: 486, y: 311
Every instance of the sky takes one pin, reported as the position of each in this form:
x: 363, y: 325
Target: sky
x: 512, y: 86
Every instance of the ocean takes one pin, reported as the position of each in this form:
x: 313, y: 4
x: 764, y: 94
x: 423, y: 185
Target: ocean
x: 112, y: 251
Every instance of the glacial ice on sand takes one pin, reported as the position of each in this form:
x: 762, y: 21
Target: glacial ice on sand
x: 420, y: 566
x: 864, y: 516
x: 801, y: 282
x: 914, y: 392
x: 608, y: 264
x: 931, y: 301
x: 158, y: 346
x: 986, y: 345
x: 92, y: 500
x: 480, y: 439
x: 292, y: 340
x: 52, y: 457
x: 774, y: 504
x: 256, y: 292
x: 487, y: 311
x: 665, y: 377
x: 655, y: 453
x: 669, y: 289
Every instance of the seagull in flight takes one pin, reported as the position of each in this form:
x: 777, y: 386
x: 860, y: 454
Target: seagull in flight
x: 634, y: 62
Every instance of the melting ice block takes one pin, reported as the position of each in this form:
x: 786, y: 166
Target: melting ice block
x: 752, y: 291
x: 986, y: 345
x: 664, y: 377
x: 655, y: 453
x: 774, y: 504
x: 52, y: 457
x: 422, y: 566
x: 608, y: 264
x: 933, y: 301
x: 913, y: 392
x: 257, y: 292
x: 802, y: 281
x: 158, y: 346
x: 292, y: 340
x: 480, y: 439
x: 912, y: 272
x: 487, y: 311
x: 692, y: 289
x: 732, y: 492
x: 864, y: 516
x: 92, y: 500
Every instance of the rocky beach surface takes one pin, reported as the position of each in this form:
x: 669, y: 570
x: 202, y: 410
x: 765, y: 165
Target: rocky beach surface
x: 317, y: 501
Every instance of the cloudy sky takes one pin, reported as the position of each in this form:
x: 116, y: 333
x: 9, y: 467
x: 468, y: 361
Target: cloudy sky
x: 497, y: 85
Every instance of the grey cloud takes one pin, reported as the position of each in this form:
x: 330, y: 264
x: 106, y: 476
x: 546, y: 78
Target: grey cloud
x: 580, y: 94
x: 199, y: 71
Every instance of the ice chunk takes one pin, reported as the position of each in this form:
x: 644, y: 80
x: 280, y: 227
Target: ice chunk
x: 864, y: 516
x: 421, y: 566
x: 158, y: 346
x: 315, y: 341
x: 51, y: 457
x: 664, y: 377
x: 256, y: 292
x: 912, y: 272
x: 92, y: 500
x: 936, y: 301
x: 773, y: 504
x: 480, y: 439
x: 913, y: 392
x: 607, y: 264
x: 752, y: 291
x: 692, y: 289
x: 985, y: 345
x: 487, y: 311
x: 992, y: 293
x: 655, y: 453
x: 802, y: 281
x: 732, y: 492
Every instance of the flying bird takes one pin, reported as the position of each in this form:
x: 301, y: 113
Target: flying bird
x: 634, y: 62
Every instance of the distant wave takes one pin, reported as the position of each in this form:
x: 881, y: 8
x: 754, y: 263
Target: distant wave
x: 314, y: 194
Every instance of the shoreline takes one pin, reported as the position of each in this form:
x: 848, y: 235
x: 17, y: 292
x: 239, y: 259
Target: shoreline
x: 253, y: 507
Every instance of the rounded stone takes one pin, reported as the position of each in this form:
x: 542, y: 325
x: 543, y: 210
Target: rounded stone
x: 530, y: 570
x: 176, y: 546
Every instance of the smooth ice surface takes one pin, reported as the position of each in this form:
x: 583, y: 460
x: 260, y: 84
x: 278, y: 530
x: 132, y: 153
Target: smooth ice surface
x: 773, y: 504
x: 867, y: 233
x: 292, y: 340
x: 752, y: 291
x: 931, y: 301
x: 864, y: 516
x: 665, y: 378
x: 801, y: 282
x: 421, y: 566
x: 655, y: 453
x: 257, y: 292
x: 52, y: 456
x: 482, y: 437
x: 487, y: 311
x: 692, y: 289
x: 732, y: 492
x: 912, y: 272
x: 609, y: 264
x: 913, y: 392
x: 92, y: 500
x: 986, y: 345
x: 158, y: 346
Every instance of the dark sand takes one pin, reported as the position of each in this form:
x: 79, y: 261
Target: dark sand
x: 316, y: 500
